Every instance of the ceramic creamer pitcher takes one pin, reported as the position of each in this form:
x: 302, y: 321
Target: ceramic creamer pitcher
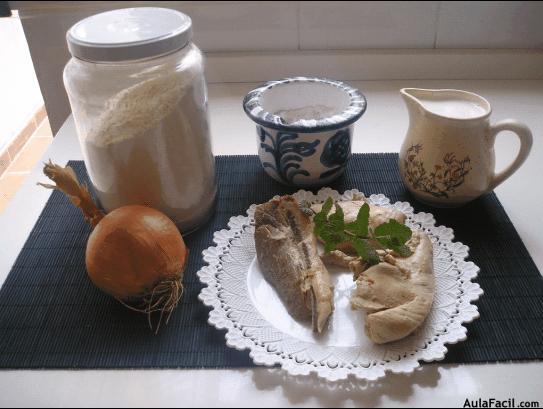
x: 447, y: 158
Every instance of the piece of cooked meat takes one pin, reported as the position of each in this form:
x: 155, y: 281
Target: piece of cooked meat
x: 378, y: 215
x: 340, y: 259
x: 397, y: 294
x: 287, y: 252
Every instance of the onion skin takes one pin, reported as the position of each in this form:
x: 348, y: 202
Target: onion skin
x: 135, y: 253
x: 133, y: 249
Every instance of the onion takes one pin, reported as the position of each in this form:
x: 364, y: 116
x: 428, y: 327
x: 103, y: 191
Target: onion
x: 135, y: 253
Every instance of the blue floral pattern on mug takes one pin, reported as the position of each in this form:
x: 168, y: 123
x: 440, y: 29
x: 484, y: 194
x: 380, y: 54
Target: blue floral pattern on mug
x: 336, y: 152
x: 287, y: 154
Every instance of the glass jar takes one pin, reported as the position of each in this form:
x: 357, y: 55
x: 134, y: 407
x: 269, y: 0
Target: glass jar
x: 138, y: 96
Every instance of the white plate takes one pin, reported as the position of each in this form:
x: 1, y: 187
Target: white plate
x: 249, y: 309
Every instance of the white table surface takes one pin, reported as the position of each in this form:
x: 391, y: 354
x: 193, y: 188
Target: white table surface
x: 381, y: 129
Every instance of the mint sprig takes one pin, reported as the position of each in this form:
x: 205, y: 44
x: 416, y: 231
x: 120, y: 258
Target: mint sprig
x: 333, y: 230
x: 393, y: 235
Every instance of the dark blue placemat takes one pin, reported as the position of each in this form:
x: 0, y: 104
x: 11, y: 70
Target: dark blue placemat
x: 51, y: 316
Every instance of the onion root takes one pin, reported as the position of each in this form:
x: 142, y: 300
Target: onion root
x: 163, y: 299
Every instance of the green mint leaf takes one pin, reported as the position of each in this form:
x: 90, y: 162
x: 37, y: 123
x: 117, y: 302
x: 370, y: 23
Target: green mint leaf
x: 395, y: 230
x: 365, y: 251
x: 337, y: 220
x: 393, y: 235
x: 322, y: 216
x: 403, y: 251
x: 327, y: 206
x: 318, y: 230
x: 329, y: 246
x: 331, y: 239
x: 360, y: 226
x: 332, y: 230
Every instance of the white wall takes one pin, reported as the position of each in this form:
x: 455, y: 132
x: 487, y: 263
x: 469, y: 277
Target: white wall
x: 296, y: 26
x: 20, y: 96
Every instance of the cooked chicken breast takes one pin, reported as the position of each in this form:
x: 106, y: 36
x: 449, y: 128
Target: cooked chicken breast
x: 287, y: 252
x: 397, y: 294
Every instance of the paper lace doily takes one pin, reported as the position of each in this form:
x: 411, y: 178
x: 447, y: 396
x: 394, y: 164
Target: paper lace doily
x: 232, y: 289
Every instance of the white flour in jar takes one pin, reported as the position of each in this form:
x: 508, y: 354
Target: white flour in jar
x: 291, y: 116
x: 151, y: 147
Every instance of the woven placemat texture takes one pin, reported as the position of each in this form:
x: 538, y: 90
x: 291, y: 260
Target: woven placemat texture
x: 51, y: 315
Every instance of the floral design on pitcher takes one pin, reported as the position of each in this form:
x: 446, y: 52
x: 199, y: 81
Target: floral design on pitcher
x: 286, y: 153
x: 442, y: 180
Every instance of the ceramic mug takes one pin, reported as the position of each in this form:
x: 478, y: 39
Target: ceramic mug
x: 447, y: 158
x: 309, y: 151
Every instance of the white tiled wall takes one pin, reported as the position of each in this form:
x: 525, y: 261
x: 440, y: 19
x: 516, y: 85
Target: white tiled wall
x: 264, y: 26
x: 491, y: 24
x: 326, y: 25
x: 20, y: 95
x: 369, y: 24
x: 338, y: 25
x: 247, y: 26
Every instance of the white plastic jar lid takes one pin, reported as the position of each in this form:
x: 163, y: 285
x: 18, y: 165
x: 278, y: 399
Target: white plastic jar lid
x: 129, y: 34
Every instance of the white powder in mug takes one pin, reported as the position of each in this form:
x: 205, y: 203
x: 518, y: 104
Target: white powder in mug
x: 151, y: 146
x: 291, y: 116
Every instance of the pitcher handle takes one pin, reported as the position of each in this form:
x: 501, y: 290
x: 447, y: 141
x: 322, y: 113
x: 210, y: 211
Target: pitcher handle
x: 526, y: 140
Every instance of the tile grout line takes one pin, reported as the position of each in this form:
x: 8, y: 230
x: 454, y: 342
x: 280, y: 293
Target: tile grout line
x: 33, y: 136
x: 6, y: 198
x: 298, y: 19
x: 436, y: 23
x: 20, y: 151
x: 33, y: 123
